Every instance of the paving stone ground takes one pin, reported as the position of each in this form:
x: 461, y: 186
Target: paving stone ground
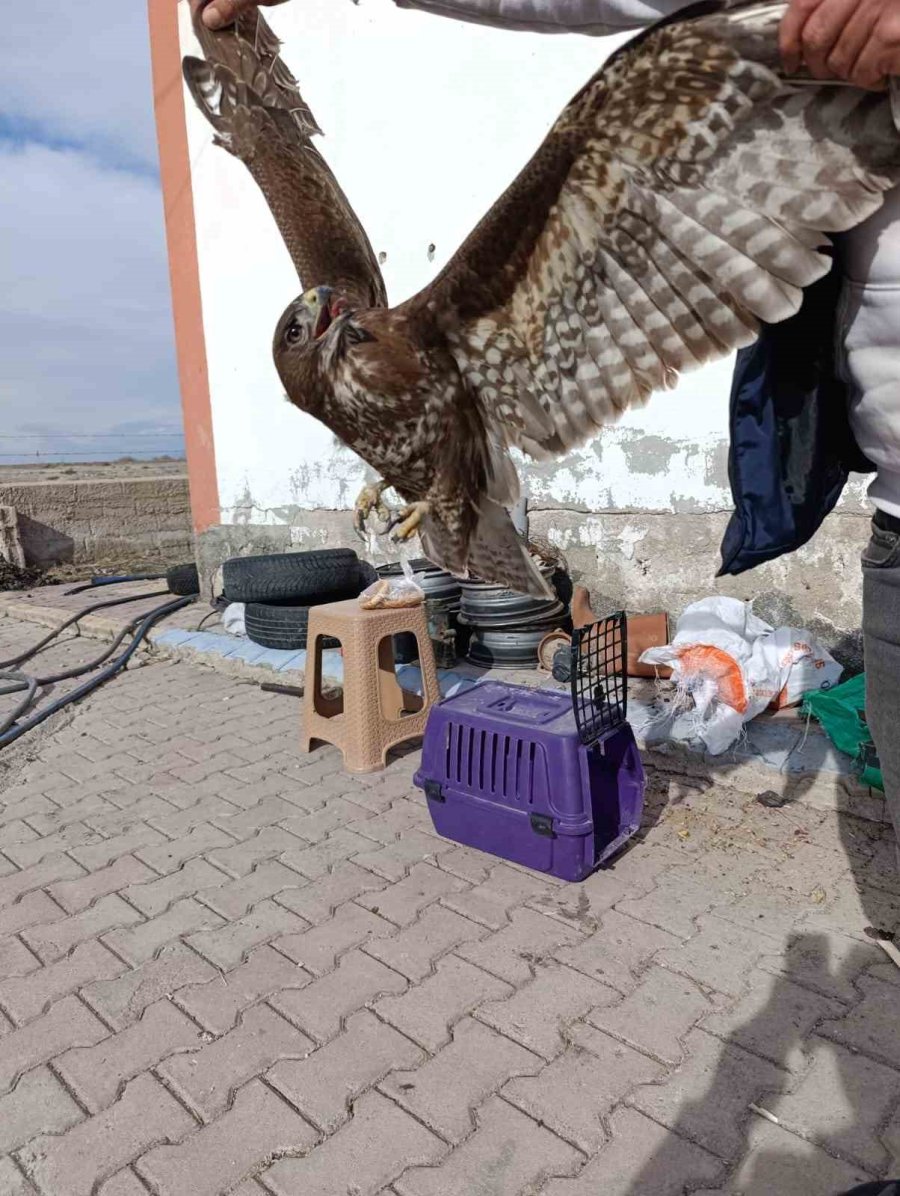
x: 228, y: 967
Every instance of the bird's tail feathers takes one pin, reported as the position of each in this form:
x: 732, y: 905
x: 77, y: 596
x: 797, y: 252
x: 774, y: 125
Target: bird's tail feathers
x: 498, y: 554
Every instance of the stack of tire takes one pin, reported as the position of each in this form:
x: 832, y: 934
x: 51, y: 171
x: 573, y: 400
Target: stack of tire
x: 443, y: 594
x: 278, y: 591
x: 507, y: 627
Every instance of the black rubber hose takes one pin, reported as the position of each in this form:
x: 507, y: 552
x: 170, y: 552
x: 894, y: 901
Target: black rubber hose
x: 33, y: 651
x: 26, y: 683
x: 13, y: 733
x: 114, y: 581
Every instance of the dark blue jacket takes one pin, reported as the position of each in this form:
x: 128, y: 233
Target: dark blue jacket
x: 791, y: 445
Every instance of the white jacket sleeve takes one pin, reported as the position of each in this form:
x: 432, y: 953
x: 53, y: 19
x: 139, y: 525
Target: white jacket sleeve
x: 596, y: 17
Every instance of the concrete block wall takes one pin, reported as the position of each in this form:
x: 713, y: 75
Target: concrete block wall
x: 103, y: 521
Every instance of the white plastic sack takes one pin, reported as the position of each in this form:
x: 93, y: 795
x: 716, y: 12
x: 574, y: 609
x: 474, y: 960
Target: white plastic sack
x: 729, y: 666
x: 233, y: 618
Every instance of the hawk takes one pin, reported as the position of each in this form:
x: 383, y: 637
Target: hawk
x: 685, y: 195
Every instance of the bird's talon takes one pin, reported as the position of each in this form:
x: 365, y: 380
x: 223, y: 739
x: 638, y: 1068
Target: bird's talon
x: 370, y: 499
x: 410, y: 520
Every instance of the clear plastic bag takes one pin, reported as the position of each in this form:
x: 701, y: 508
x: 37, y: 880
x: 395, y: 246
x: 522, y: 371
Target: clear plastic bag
x: 393, y: 593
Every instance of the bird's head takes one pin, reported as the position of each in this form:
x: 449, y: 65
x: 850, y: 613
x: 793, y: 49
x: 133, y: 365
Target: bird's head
x: 314, y: 332
x: 307, y: 320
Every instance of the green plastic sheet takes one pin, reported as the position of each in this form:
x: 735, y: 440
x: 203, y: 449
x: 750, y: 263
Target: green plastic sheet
x: 840, y: 711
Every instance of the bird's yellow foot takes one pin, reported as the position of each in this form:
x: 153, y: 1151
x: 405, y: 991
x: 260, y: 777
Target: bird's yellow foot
x: 409, y: 520
x: 370, y: 499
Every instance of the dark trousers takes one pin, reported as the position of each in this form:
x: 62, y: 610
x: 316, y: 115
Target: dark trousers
x: 881, y: 627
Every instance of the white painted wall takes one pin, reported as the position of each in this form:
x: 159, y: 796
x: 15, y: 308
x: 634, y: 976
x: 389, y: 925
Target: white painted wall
x: 427, y: 121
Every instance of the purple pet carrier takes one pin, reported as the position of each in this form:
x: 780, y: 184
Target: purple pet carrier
x: 550, y: 780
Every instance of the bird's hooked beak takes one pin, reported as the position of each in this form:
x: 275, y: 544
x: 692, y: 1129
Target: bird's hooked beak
x: 325, y: 307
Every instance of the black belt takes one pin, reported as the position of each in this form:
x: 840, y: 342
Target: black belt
x: 887, y: 523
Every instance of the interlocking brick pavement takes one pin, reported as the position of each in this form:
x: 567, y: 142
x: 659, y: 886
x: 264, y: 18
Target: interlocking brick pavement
x: 227, y: 967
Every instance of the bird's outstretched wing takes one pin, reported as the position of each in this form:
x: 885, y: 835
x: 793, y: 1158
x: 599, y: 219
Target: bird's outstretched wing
x: 683, y: 197
x: 254, y: 104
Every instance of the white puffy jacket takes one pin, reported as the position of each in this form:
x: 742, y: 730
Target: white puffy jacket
x: 596, y: 17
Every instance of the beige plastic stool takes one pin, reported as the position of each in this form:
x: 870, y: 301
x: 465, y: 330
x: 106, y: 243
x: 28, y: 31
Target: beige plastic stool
x: 375, y: 714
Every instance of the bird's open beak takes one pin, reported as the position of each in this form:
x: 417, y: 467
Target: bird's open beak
x: 325, y: 306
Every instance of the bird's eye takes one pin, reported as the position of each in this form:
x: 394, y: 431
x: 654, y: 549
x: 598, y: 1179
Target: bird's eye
x: 293, y: 334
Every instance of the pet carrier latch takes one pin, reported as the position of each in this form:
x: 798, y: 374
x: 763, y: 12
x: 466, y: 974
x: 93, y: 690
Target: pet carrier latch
x: 542, y: 824
x: 433, y: 791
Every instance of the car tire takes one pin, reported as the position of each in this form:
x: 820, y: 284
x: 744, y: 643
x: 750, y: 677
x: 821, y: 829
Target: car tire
x: 298, y: 577
x: 282, y: 627
x: 183, y: 580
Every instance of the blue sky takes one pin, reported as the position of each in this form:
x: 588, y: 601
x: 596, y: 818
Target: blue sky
x: 86, y: 339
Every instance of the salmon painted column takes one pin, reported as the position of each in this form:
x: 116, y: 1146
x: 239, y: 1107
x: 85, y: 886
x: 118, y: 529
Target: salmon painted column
x: 178, y: 202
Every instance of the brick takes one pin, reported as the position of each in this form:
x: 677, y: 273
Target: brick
x: 320, y: 1008
x: 34, y: 909
x: 362, y: 1157
x: 319, y: 899
x: 870, y: 1026
x: 95, y: 1074
x: 70, y: 838
x: 618, y: 952
x: 775, y: 1160
x: 76, y: 895
x: 773, y: 1019
x: 244, y: 857
x: 39, y: 1104
x: 142, y: 943
x: 16, y: 959
x: 644, y: 1157
x: 257, y: 1126
x: 120, y: 1002
x: 315, y: 861
x: 242, y: 823
x: 179, y: 822
x: 830, y: 964
x: 16, y: 832
x: 53, y: 868
x: 414, y: 952
x: 540, y: 1013
x: 508, y: 1147
x: 403, y: 901
x: 68, y: 1023
x: 390, y: 824
x: 491, y: 901
x: 325, y: 1085
x: 123, y: 1183
x: 144, y: 1115
x: 336, y: 812
x: 428, y: 1012
x: 657, y: 1015
x: 582, y: 906
x: 842, y: 1102
x: 227, y: 946
x: 206, y: 1078
x: 706, y: 1099
x: 217, y: 1003
x: 113, y: 821
x: 166, y: 857
x: 236, y: 897
x: 13, y: 1182
x: 395, y: 859
x: 157, y: 895
x: 721, y: 956
x: 513, y: 952
x: 54, y: 940
x: 98, y: 854
x: 24, y: 997
x: 445, y: 1092
x: 319, y: 949
x: 581, y: 1087
x: 673, y: 905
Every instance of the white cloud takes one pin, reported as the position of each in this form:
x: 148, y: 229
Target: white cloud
x: 86, y: 337
x: 81, y: 72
